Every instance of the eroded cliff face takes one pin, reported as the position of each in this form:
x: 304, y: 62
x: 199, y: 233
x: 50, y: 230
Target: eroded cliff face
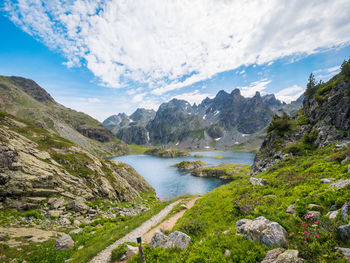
x: 324, y: 120
x: 36, y: 164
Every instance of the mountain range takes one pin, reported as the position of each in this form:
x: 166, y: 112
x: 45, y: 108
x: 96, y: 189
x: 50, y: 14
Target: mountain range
x: 224, y: 121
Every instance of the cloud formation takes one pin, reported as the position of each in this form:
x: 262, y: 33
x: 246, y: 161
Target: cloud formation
x: 256, y: 86
x: 171, y: 44
x: 290, y: 94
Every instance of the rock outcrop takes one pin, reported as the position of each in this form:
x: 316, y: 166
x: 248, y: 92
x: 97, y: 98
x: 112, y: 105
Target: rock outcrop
x: 36, y: 165
x: 324, y: 120
x: 263, y: 231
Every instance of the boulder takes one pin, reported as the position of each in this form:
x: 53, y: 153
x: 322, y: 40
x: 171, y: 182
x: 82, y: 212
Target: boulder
x: 349, y: 168
x: 54, y: 213
x: 78, y: 205
x: 159, y: 239
x: 131, y: 251
x: 179, y: 240
x: 326, y: 180
x: 332, y: 214
x: 257, y: 181
x: 176, y: 239
x: 64, y: 242
x: 263, y: 231
x: 344, y: 232
x: 345, y: 211
x: 339, y: 184
x: 280, y: 255
x: 57, y: 203
x: 345, y: 252
x: 291, y: 209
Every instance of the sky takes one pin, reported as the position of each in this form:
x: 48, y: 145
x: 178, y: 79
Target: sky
x: 110, y: 56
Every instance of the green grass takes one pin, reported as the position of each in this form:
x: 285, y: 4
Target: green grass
x: 137, y: 149
x: 228, y: 170
x: 292, y: 180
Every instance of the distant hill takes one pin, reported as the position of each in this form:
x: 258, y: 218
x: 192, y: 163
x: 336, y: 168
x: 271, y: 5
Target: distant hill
x: 227, y: 120
x: 24, y: 98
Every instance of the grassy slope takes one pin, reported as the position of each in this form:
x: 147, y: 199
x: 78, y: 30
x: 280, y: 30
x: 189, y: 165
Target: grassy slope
x: 293, y: 180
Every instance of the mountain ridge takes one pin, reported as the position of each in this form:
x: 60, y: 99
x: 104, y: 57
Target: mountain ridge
x: 227, y: 120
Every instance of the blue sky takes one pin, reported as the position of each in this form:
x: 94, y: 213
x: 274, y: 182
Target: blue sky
x: 105, y: 57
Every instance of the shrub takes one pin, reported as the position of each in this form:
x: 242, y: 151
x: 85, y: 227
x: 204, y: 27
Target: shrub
x: 281, y: 124
x: 345, y: 67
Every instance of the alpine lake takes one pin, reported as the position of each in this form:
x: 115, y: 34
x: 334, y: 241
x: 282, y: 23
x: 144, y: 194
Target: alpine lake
x: 169, y: 182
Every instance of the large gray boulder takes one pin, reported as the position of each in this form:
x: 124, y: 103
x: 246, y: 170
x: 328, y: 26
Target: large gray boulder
x: 263, y: 231
x: 257, y: 181
x: 339, y: 184
x: 280, y: 255
x: 159, y: 239
x: 176, y: 239
x: 345, y: 252
x: 344, y: 232
x: 78, y: 205
x: 64, y: 242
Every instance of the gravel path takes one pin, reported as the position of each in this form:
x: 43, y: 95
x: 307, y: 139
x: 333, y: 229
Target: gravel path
x: 105, y: 255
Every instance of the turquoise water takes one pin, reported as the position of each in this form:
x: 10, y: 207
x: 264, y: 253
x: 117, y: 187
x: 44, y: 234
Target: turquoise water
x: 169, y: 182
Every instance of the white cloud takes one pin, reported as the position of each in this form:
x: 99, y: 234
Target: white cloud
x: 289, y: 94
x: 172, y: 44
x: 93, y: 100
x: 260, y: 86
x: 193, y: 97
x: 326, y: 73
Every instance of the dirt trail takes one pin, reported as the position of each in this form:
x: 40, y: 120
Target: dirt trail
x: 105, y: 255
x: 169, y: 223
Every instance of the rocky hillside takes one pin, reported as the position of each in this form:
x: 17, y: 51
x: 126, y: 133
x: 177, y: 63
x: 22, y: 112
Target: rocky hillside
x: 323, y: 120
x: 24, y: 98
x: 36, y: 164
x: 227, y: 120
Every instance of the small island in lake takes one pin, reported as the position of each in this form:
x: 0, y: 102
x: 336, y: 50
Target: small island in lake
x: 189, y: 165
x: 227, y: 171
x: 166, y: 152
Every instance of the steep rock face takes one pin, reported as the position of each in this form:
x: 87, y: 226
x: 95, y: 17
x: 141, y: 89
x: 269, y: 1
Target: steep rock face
x: 133, y: 134
x: 131, y: 129
x: 324, y: 120
x: 97, y: 133
x: 24, y: 98
x: 35, y: 163
x: 332, y: 105
x: 172, y: 122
